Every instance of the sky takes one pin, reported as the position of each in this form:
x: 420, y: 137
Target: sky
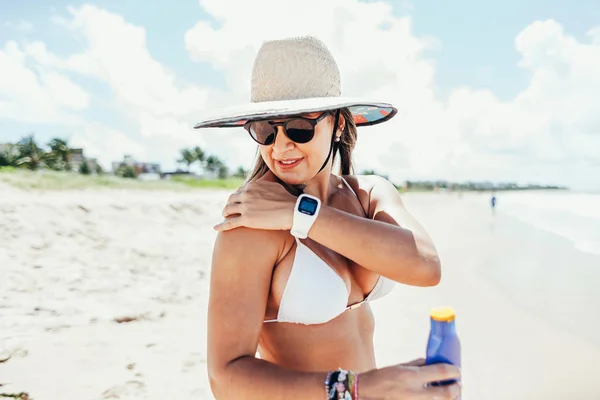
x: 486, y: 91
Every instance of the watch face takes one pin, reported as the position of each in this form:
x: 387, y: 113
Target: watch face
x: 307, y: 206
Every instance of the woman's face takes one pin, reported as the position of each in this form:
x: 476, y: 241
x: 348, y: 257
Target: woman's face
x: 296, y: 163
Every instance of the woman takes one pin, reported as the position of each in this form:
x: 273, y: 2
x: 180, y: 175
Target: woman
x: 302, y: 251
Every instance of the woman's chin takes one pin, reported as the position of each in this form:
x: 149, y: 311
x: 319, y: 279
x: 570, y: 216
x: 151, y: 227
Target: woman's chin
x: 294, y: 182
x: 291, y: 179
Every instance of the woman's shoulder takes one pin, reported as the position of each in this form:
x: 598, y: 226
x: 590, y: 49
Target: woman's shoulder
x: 246, y: 243
x: 365, y: 183
x: 370, y: 189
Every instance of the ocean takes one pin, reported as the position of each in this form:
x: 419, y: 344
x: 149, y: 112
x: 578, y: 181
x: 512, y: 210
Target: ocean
x: 572, y: 215
x: 546, y: 256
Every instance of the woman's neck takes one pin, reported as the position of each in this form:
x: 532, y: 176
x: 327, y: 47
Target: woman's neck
x: 322, y: 186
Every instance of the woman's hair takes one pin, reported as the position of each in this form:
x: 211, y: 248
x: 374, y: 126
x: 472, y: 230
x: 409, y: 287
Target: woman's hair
x: 345, y: 147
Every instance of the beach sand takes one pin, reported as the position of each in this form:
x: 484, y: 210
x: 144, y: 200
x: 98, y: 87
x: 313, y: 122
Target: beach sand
x: 74, y: 263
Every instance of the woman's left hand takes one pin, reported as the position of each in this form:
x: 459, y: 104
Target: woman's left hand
x: 261, y: 204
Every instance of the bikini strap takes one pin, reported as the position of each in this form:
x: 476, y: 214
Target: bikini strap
x: 348, y: 186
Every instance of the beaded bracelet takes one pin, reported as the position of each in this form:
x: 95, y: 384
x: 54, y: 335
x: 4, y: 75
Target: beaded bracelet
x: 341, y: 385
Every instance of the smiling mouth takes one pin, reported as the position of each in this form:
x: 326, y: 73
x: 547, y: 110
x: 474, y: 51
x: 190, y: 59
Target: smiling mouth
x: 288, y: 163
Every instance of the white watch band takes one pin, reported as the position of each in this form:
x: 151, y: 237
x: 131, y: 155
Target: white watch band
x: 305, y: 213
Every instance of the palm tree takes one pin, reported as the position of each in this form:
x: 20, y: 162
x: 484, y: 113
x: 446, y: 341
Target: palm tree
x: 199, y: 154
x: 214, y: 164
x: 188, y: 157
x: 31, y: 155
x: 223, y: 171
x: 9, y: 156
x: 240, y: 172
x: 59, y: 155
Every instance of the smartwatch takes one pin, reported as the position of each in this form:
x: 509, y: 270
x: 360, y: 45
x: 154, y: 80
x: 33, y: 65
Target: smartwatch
x: 305, y: 213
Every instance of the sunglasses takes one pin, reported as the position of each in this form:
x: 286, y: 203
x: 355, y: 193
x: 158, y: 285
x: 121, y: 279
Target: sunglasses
x: 297, y: 129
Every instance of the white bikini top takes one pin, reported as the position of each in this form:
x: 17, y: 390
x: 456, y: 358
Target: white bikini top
x: 314, y: 293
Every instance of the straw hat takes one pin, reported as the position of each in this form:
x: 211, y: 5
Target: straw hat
x: 294, y: 76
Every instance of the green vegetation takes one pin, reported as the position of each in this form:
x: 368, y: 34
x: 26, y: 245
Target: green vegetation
x: 56, y: 155
x: 225, y: 183
x: 210, y: 163
x: 56, y: 166
x: 57, y: 180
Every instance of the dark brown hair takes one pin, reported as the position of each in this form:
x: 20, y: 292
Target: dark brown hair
x: 345, y: 147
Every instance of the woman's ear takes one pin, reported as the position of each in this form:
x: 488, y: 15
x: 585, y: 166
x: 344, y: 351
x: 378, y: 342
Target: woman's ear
x: 341, y: 123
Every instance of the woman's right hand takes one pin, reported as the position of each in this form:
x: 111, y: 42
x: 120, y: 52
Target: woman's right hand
x: 409, y: 381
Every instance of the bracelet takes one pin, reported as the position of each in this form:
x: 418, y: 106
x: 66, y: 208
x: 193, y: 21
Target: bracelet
x: 341, y: 385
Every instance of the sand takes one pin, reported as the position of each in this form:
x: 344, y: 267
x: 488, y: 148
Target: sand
x: 73, y: 263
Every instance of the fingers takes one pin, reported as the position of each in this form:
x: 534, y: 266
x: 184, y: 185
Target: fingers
x: 234, y: 202
x: 438, y: 372
x: 452, y: 391
x: 235, y: 197
x: 232, y: 209
x: 229, y: 224
x: 419, y: 362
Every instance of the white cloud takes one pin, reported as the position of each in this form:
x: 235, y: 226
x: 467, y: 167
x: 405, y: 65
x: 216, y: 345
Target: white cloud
x: 550, y: 131
x: 118, y: 55
x: 471, y: 134
x: 594, y: 33
x: 106, y: 144
x: 40, y: 95
x: 144, y: 91
x: 377, y: 53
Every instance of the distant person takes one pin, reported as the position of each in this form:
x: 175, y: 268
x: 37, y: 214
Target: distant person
x: 493, y: 203
x: 303, y: 250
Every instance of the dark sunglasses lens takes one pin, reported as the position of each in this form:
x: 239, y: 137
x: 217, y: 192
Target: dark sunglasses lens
x: 299, y: 130
x: 262, y: 132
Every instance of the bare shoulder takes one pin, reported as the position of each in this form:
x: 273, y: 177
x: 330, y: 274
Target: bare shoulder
x: 373, y: 190
x: 234, y: 248
x: 245, y: 243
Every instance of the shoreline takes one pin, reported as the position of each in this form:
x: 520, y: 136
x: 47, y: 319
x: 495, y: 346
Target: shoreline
x: 545, y: 277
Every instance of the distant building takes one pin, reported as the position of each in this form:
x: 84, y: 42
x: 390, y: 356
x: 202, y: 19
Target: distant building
x: 76, y: 158
x: 92, y: 164
x: 143, y: 170
x: 4, y: 147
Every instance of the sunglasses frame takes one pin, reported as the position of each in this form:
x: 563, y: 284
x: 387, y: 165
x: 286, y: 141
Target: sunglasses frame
x: 312, y: 121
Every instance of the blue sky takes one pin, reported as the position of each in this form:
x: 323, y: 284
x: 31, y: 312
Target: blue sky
x: 469, y: 56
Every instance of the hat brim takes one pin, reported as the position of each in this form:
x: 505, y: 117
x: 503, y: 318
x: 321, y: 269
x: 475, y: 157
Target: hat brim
x: 364, y: 112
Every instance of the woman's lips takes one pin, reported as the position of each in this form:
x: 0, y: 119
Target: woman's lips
x: 288, y: 164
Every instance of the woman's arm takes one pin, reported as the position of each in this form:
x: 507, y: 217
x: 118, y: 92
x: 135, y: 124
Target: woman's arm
x: 243, y: 261
x: 242, y: 266
x: 391, y: 242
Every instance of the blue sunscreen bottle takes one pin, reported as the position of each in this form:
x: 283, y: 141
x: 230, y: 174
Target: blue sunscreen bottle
x: 443, y: 345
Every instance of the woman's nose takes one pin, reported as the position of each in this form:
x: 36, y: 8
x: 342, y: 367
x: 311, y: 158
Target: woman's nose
x: 282, y: 142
